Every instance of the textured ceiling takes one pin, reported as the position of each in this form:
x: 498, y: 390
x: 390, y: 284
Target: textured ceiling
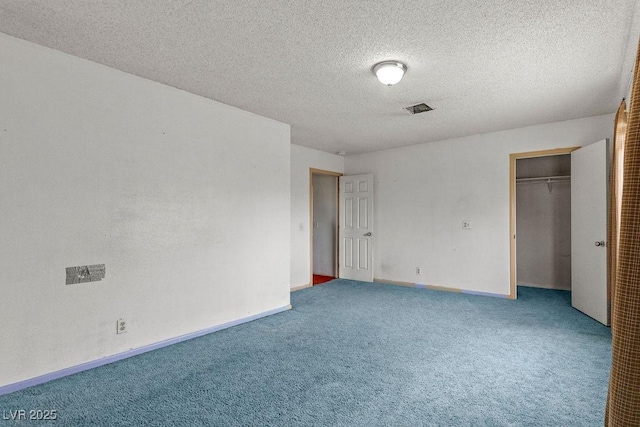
x: 483, y: 65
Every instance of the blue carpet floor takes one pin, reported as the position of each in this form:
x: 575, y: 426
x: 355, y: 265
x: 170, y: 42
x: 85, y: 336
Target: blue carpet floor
x: 358, y: 354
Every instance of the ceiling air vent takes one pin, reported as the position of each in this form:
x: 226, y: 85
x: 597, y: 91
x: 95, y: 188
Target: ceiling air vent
x: 419, y: 108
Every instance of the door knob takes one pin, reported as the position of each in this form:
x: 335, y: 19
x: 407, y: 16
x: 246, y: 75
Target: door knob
x: 367, y: 234
x: 600, y: 243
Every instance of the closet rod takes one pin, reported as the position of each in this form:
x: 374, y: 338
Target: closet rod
x: 544, y: 178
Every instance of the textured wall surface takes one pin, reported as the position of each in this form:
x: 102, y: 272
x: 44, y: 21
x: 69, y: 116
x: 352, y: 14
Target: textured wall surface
x: 423, y: 194
x: 185, y: 201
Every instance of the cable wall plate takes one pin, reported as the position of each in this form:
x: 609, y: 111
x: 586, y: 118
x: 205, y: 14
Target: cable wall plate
x: 85, y: 273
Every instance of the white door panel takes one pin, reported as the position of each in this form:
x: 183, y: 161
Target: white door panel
x: 589, y: 178
x: 356, y: 227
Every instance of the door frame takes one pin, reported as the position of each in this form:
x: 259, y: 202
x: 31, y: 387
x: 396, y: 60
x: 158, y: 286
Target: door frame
x: 337, y: 175
x: 513, y: 261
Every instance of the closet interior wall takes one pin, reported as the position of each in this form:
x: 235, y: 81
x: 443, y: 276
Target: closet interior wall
x: 543, y: 222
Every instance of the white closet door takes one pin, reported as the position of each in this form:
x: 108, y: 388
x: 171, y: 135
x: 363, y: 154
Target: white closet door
x: 589, y: 179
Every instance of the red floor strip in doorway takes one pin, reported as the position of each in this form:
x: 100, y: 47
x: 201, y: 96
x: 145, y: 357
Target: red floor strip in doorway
x: 317, y: 279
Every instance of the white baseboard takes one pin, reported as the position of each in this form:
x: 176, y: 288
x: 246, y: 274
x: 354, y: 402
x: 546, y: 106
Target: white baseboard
x: 544, y: 286
x: 438, y: 288
x: 299, y: 288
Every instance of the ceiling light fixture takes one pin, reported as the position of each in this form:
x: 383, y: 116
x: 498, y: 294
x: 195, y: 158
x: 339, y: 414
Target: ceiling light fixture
x: 389, y: 72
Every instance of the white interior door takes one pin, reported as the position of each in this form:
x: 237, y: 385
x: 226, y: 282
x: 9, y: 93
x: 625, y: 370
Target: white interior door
x: 589, y: 177
x: 356, y: 227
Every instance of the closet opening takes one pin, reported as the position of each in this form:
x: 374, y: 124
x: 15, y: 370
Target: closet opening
x: 541, y: 220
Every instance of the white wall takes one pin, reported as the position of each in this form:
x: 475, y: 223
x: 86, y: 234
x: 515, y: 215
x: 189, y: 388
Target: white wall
x: 302, y: 159
x: 325, y: 208
x: 424, y: 192
x: 184, y: 199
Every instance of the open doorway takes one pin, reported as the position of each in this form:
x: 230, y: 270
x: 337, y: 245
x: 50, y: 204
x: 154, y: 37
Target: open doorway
x: 324, y: 225
x: 540, y: 223
x: 543, y: 221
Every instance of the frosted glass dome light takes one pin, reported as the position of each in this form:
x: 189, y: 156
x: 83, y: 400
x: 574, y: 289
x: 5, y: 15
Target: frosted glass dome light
x: 389, y: 72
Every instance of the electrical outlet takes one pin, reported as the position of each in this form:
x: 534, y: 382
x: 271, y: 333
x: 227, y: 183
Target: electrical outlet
x: 466, y: 225
x: 122, y: 326
x: 418, y: 270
